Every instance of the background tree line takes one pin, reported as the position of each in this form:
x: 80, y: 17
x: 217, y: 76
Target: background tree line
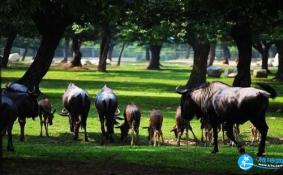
x: 151, y: 23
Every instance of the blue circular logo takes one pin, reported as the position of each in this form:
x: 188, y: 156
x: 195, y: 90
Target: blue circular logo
x: 245, y: 162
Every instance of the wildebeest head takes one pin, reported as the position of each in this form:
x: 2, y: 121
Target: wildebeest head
x: 124, y: 128
x: 188, y: 106
x: 24, y: 98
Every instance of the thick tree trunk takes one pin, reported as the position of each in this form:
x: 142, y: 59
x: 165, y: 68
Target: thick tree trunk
x: 201, y: 51
x: 121, y: 53
x: 42, y: 60
x: 154, y: 63
x: 242, y: 35
x: 66, y: 50
x: 279, y: 74
x: 263, y: 49
x: 147, y: 53
x: 104, y: 48
x: 24, y: 54
x: 76, y: 61
x: 211, y: 55
x: 8, y: 48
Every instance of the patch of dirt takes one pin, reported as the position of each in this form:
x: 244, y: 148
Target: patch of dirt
x: 69, y: 167
x: 66, y: 66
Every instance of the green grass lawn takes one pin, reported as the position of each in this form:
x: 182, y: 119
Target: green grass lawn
x: 147, y: 89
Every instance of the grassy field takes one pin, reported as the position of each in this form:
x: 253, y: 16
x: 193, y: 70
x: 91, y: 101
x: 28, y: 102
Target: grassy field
x: 58, y: 153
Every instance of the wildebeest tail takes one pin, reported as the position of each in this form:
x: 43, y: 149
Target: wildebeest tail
x: 85, y: 110
x: 269, y: 89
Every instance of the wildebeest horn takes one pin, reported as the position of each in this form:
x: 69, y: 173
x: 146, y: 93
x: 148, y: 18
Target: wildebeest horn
x: 118, y: 126
x: 117, y: 112
x: 145, y: 127
x: 180, y: 90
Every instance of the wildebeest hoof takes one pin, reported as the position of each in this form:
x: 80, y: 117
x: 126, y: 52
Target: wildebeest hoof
x: 242, y: 150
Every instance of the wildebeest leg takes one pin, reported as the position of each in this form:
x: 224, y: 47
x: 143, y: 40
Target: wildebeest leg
x: 215, y: 139
x: 46, y: 127
x: 10, y: 146
x: 230, y: 135
x: 179, y: 135
x: 137, y: 136
x: 261, y: 125
x: 41, y: 124
x: 71, y: 123
x: 77, y: 124
x: 132, y: 135
x: 191, y: 129
x: 22, y: 122
x: 154, y: 137
x: 102, y: 127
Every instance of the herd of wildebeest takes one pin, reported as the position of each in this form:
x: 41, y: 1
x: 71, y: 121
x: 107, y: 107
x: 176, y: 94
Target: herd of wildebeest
x: 217, y: 105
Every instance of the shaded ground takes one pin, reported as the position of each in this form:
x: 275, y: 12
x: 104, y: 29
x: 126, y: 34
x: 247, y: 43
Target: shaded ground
x: 69, y: 167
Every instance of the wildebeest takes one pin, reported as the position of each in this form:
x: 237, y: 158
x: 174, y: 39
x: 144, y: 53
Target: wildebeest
x: 181, y: 126
x: 76, y: 101
x: 46, y: 114
x: 106, y: 103
x: 221, y: 103
x: 17, y: 100
x: 155, y: 126
x: 132, y: 117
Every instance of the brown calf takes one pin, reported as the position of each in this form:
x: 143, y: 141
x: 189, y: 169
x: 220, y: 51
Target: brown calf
x: 45, y: 114
x: 154, y: 129
x: 181, y: 126
x: 132, y: 116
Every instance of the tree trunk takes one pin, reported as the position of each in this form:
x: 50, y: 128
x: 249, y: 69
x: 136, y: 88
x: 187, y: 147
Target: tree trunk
x: 120, y: 55
x: 24, y: 54
x: 263, y: 48
x: 154, y: 63
x: 211, y: 55
x: 110, y: 51
x: 201, y: 50
x: 42, y: 60
x: 8, y: 48
x: 104, y: 48
x: 66, y: 50
x: 147, y: 53
x: 279, y: 74
x: 226, y: 53
x: 76, y: 61
x: 242, y: 35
